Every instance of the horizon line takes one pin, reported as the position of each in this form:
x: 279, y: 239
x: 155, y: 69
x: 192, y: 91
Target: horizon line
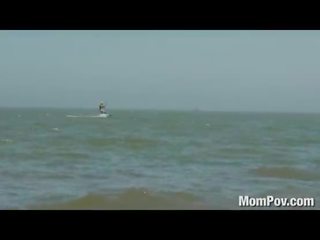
x: 164, y: 109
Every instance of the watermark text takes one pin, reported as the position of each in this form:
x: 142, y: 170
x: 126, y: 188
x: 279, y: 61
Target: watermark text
x: 271, y: 201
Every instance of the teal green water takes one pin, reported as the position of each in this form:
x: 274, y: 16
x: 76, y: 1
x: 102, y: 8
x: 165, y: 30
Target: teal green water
x: 154, y: 159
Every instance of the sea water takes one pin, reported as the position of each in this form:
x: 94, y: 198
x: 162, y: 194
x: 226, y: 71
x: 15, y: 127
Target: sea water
x: 148, y: 159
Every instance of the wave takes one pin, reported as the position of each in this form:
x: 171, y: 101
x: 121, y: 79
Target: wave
x: 5, y: 141
x: 72, y: 155
x: 239, y: 152
x: 87, y: 116
x: 287, y: 173
x: 56, y: 129
x: 130, y: 199
x: 131, y: 143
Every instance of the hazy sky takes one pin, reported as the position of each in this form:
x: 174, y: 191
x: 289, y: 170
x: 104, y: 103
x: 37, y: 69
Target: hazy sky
x: 211, y: 70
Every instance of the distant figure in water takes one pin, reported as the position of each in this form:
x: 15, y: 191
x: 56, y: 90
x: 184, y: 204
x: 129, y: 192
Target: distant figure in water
x: 102, y: 108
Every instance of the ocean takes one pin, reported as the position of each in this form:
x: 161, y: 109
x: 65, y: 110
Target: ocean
x: 148, y: 159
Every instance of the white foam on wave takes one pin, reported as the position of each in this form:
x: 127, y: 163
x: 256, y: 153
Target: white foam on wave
x: 88, y: 116
x: 6, y: 140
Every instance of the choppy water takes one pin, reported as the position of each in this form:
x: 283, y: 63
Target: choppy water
x: 154, y: 159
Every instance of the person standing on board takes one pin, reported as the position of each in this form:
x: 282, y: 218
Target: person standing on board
x: 102, y: 108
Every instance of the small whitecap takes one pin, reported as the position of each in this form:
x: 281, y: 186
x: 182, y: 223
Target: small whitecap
x: 6, y: 140
x: 208, y: 125
x: 56, y: 129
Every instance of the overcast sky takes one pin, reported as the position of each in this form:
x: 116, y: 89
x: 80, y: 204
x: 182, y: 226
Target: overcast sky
x: 211, y: 70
